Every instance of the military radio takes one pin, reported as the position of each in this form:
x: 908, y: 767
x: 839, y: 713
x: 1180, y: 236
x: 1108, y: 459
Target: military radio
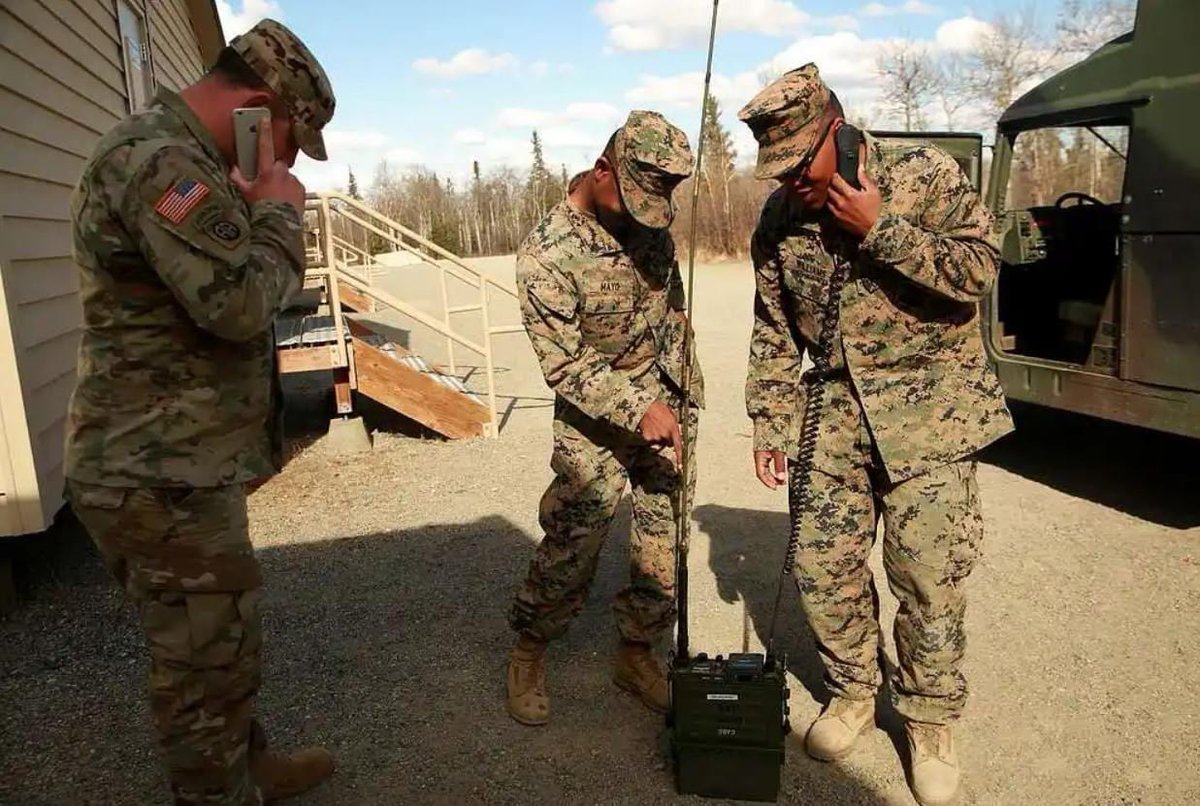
x: 728, y: 716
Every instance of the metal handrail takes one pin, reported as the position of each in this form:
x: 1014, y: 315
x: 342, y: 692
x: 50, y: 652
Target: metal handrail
x: 328, y: 205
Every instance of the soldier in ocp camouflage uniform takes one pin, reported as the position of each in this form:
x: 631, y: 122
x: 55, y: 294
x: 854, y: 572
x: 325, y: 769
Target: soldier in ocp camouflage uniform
x: 603, y: 305
x: 911, y: 399
x: 183, y: 266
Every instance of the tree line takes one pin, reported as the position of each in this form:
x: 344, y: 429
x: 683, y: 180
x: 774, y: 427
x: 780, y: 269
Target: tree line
x: 921, y: 87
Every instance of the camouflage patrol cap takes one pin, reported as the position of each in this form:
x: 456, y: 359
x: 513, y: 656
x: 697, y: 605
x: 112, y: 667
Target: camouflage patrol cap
x: 289, y: 68
x: 652, y: 157
x: 786, y: 117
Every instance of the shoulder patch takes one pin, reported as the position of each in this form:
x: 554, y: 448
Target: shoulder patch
x: 225, y: 230
x: 178, y: 202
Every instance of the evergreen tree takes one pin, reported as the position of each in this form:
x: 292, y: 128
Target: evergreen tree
x: 352, y: 186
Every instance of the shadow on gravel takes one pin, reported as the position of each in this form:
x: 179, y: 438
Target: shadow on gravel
x: 1143, y: 473
x: 388, y: 648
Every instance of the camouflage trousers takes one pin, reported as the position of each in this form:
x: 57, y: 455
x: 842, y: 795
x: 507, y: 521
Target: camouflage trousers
x: 932, y: 537
x: 592, y: 463
x: 184, y: 558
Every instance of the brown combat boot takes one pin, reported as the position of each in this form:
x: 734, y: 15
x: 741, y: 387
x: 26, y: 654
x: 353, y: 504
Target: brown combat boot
x: 280, y: 776
x: 835, y: 732
x: 934, y: 762
x: 637, y: 671
x: 528, y: 702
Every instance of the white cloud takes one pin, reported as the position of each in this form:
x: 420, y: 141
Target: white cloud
x: 469, y: 136
x: 909, y: 7
x: 961, y: 34
x: 236, y: 22
x: 518, y: 117
x: 640, y: 25
x: 359, y: 149
x: 540, y: 68
x: 472, y: 61
x: 841, y: 22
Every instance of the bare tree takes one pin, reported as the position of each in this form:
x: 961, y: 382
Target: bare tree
x: 910, y: 79
x: 951, y: 87
x: 1014, y: 51
x: 1085, y: 25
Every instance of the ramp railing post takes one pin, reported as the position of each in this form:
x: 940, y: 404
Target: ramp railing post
x: 493, y: 426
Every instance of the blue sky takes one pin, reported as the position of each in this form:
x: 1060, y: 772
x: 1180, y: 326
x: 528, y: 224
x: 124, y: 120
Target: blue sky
x: 441, y: 84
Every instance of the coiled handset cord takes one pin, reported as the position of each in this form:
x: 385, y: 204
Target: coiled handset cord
x: 814, y: 380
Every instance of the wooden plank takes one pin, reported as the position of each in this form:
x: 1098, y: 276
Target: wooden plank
x: 306, y: 359
x: 26, y: 80
x: 341, y: 390
x: 31, y: 280
x: 416, y: 395
x: 33, y: 198
x: 69, y: 39
x: 29, y: 119
x: 17, y: 38
x: 46, y: 319
x: 354, y: 299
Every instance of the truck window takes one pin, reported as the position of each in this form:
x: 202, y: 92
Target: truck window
x: 1057, y: 292
x: 1048, y: 163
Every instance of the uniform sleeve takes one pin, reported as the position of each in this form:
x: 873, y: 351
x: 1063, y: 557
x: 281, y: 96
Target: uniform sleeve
x: 572, y: 369
x: 951, y: 251
x: 232, y: 275
x: 773, y: 389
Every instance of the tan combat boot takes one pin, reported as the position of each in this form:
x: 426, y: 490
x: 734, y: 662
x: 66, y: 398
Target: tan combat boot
x: 833, y: 734
x: 934, y: 763
x: 527, y: 699
x: 280, y: 776
x: 638, y: 672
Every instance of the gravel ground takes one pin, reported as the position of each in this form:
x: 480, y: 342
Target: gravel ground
x: 388, y: 577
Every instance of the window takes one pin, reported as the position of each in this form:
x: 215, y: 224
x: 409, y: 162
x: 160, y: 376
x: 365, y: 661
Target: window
x: 135, y: 51
x: 1050, y: 162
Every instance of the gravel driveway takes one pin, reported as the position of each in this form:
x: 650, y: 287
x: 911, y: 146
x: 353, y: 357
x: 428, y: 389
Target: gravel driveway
x: 388, y: 576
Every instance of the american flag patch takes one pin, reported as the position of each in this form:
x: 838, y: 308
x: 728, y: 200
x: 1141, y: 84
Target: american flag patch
x: 181, y: 199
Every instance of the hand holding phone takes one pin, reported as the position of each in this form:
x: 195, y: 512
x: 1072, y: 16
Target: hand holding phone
x: 268, y: 178
x: 854, y: 200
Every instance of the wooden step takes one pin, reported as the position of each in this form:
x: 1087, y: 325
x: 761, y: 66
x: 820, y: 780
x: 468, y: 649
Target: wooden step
x: 404, y: 382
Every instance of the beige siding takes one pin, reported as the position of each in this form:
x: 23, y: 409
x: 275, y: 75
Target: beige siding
x: 177, y: 60
x: 62, y: 85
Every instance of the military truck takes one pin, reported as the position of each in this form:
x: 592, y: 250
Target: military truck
x: 1095, y: 180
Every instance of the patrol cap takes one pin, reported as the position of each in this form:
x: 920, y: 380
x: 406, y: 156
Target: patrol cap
x: 652, y: 157
x: 786, y: 119
x: 289, y: 68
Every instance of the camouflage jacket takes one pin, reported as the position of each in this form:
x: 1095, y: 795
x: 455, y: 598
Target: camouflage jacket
x: 909, y: 334
x: 180, y: 280
x: 605, y: 320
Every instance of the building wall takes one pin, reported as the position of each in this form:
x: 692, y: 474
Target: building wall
x: 62, y: 85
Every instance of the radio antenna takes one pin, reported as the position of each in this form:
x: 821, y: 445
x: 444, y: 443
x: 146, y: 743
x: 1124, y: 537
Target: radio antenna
x: 683, y: 513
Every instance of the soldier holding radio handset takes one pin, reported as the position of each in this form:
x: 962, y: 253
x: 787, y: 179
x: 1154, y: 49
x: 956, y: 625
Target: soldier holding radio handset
x: 896, y: 263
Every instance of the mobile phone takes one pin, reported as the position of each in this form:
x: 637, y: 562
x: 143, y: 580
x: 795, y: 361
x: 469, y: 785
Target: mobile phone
x: 848, y: 139
x: 247, y: 122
